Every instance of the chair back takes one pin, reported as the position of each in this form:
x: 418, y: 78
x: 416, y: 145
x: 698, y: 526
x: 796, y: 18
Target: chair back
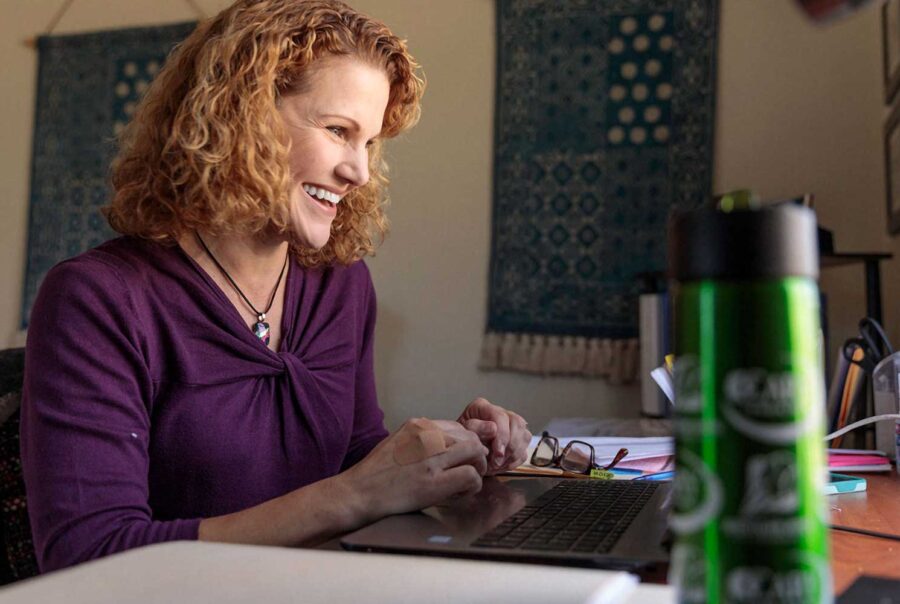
x: 17, y: 559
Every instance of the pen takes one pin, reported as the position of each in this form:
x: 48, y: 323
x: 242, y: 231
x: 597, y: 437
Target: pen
x: 658, y: 476
x: 625, y: 471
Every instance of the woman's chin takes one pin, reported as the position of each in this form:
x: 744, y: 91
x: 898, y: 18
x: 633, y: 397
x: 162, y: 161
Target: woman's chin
x: 310, y: 241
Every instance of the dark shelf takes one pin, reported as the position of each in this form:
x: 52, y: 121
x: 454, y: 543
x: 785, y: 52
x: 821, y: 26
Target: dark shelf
x: 845, y: 258
x: 873, y: 275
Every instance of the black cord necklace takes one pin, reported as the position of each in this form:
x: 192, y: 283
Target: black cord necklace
x: 261, y: 328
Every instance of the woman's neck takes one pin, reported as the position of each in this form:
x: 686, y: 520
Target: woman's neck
x: 254, y: 263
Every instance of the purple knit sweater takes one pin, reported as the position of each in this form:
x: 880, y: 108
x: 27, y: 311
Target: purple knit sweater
x: 148, y: 403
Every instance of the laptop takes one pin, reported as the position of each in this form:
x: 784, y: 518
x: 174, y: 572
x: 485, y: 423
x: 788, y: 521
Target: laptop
x: 613, y: 524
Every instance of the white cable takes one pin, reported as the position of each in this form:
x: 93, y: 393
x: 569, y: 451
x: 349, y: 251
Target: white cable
x: 862, y: 422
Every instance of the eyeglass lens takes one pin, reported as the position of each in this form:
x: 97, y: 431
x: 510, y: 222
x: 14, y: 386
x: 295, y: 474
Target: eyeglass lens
x: 576, y: 457
x: 546, y: 451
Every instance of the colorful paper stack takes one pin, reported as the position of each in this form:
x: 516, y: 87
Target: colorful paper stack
x: 857, y: 460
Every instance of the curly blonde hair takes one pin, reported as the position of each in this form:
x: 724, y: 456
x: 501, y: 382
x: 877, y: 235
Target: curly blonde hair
x: 207, y: 149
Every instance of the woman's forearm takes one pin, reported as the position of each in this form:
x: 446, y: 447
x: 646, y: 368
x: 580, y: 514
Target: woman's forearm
x: 306, y: 516
x: 376, y: 486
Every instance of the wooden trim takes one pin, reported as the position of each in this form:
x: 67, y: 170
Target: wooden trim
x: 891, y: 79
x: 892, y: 205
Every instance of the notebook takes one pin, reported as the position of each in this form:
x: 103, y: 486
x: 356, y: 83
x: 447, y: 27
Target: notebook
x: 622, y: 524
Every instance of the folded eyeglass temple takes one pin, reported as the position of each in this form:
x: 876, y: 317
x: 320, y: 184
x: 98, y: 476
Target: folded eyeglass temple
x: 619, y: 456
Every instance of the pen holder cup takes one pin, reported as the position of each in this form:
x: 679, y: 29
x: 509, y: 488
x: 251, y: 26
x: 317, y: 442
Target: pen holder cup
x: 886, y: 385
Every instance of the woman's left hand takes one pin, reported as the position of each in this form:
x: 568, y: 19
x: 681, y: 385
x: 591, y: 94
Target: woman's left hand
x: 505, y: 433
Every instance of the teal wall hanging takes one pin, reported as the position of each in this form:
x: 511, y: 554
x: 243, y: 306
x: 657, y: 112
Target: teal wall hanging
x: 88, y: 86
x: 603, y: 125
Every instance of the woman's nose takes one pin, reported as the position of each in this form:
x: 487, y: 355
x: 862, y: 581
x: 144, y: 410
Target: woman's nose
x: 355, y: 167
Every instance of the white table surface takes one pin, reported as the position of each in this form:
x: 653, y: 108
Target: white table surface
x: 221, y: 574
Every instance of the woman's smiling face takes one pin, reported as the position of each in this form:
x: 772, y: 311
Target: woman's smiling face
x: 331, y: 125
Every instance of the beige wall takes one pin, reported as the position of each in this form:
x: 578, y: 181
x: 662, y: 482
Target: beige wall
x: 799, y: 109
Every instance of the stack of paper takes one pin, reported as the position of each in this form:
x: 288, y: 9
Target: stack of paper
x: 857, y: 460
x: 647, y: 454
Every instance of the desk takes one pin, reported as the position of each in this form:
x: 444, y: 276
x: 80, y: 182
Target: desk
x: 223, y: 574
x: 878, y: 509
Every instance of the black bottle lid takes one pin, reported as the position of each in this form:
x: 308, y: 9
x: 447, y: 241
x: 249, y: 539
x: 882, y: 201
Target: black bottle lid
x: 769, y: 242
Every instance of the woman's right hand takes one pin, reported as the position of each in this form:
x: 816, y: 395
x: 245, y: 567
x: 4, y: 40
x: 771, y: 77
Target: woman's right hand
x: 379, y: 485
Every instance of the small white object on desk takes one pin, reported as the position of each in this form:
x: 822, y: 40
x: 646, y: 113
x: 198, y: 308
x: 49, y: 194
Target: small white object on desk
x: 217, y: 573
x: 665, y: 382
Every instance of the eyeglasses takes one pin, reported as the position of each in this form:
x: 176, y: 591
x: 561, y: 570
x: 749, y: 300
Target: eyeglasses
x: 577, y: 457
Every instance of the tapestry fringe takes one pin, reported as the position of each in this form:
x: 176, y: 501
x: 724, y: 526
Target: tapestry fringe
x: 616, y: 360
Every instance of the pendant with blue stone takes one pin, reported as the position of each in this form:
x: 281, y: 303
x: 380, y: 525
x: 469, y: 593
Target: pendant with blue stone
x: 261, y: 329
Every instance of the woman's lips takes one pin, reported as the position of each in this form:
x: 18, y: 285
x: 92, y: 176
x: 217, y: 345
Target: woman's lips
x: 325, y: 206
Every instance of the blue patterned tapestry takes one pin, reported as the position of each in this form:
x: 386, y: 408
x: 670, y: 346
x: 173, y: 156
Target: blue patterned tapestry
x: 604, y: 123
x: 87, y: 89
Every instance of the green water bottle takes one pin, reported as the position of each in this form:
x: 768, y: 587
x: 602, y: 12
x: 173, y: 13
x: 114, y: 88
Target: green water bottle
x: 749, y: 507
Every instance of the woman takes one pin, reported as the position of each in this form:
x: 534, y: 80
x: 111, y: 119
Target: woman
x: 209, y: 375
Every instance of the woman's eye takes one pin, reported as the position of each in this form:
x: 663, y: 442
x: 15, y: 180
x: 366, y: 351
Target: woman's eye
x: 337, y: 130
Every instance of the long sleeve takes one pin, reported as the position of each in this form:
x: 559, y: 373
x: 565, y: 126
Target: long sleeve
x: 368, y: 421
x: 86, y: 421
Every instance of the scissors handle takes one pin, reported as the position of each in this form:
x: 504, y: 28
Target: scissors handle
x: 865, y: 361
x: 878, y: 341
x: 850, y: 347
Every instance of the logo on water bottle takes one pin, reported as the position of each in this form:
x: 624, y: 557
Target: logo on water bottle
x: 765, y: 406
x: 698, y: 494
x: 808, y: 581
x: 770, y: 501
x: 686, y: 375
x: 690, y: 422
x: 771, y: 484
x: 759, y: 393
x: 687, y: 572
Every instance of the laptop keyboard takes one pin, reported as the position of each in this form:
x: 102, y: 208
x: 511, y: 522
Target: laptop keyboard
x: 575, y: 515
